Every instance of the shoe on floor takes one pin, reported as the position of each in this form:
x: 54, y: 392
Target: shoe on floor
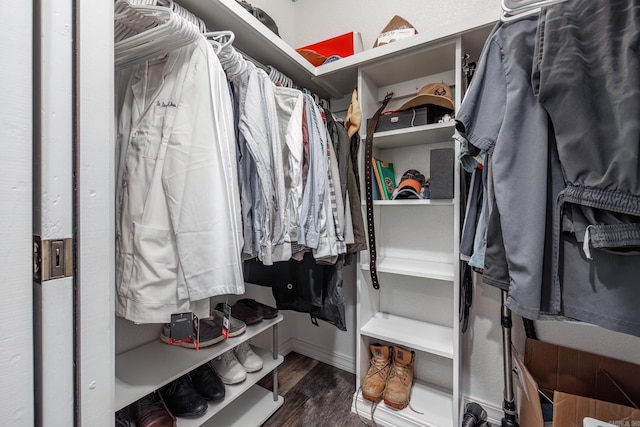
x: 242, y: 312
x: 266, y: 311
x: 182, y: 399
x: 398, y: 389
x: 228, y: 368
x: 207, y: 382
x: 150, y: 411
x: 374, y: 382
x: 250, y: 361
x: 210, y: 334
x: 236, y: 326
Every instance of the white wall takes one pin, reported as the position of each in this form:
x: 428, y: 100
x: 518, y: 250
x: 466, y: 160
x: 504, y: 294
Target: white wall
x: 323, y: 342
x: 16, y: 344
x: 312, y: 21
x: 303, y: 22
x: 282, y: 11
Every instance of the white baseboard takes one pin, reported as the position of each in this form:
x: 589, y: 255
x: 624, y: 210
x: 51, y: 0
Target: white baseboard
x: 286, y: 347
x: 494, y: 412
x: 321, y: 354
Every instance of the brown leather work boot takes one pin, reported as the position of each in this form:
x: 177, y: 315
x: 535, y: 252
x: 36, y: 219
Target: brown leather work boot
x: 374, y: 381
x: 398, y: 389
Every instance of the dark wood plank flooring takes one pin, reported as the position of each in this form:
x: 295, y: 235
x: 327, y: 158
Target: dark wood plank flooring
x: 315, y: 394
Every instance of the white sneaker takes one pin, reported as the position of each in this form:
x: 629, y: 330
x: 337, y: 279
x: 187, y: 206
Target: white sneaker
x: 251, y: 361
x: 228, y: 368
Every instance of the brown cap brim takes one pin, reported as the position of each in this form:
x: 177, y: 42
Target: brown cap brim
x: 420, y: 100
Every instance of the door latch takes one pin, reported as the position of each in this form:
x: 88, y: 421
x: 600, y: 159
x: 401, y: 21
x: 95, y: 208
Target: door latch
x: 52, y: 259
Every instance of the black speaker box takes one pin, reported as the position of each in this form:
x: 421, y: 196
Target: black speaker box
x: 441, y: 179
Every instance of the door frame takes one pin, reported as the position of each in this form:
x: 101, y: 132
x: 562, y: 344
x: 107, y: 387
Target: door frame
x: 16, y: 345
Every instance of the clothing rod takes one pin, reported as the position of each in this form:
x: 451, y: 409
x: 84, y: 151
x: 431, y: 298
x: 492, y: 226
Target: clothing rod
x: 268, y: 69
x: 254, y: 61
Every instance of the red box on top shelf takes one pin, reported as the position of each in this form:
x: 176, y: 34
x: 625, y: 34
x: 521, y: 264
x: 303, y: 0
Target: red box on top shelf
x: 340, y: 46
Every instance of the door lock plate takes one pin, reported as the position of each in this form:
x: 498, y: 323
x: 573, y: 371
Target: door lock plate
x: 52, y: 259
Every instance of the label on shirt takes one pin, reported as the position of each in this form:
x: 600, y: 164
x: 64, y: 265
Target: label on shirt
x: 226, y: 319
x: 182, y: 326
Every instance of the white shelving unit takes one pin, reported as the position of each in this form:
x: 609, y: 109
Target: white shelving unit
x: 146, y: 368
x: 236, y: 414
x: 329, y: 80
x: 435, y: 339
x: 417, y: 245
x: 414, y: 268
x: 236, y: 391
x: 434, y: 405
x: 417, y: 135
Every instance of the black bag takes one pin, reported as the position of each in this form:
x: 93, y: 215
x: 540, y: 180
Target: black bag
x: 260, y: 15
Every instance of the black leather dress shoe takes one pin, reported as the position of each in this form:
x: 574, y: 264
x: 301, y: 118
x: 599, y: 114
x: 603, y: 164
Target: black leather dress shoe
x: 244, y: 313
x: 207, y: 382
x: 266, y: 311
x: 183, y: 400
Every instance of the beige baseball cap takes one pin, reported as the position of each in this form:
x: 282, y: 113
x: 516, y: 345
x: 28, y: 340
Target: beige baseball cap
x: 431, y: 94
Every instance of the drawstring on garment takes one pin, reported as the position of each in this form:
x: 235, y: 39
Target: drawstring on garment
x: 585, y: 244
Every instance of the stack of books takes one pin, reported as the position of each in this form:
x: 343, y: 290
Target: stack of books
x: 384, y: 179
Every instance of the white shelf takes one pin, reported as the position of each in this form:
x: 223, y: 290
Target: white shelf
x: 409, y: 56
x: 412, y: 55
x: 406, y: 267
x: 436, y: 405
x: 146, y: 368
x: 256, y: 40
x: 417, y: 135
x: 235, y: 391
x: 253, y: 408
x: 415, y: 334
x: 412, y: 202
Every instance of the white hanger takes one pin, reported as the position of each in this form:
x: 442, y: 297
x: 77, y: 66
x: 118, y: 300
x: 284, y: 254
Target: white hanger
x: 156, y: 31
x: 184, y: 13
x: 223, y: 38
x: 128, y: 22
x: 272, y: 73
x: 525, y: 5
x: 524, y: 9
x: 143, y: 2
x: 237, y: 66
x: 507, y: 18
x: 232, y: 61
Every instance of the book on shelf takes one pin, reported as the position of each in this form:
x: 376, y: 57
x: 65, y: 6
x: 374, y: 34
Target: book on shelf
x: 375, y: 190
x: 376, y: 184
x: 387, y: 178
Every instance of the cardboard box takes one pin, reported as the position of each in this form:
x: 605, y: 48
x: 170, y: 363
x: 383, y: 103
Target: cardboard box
x: 581, y: 385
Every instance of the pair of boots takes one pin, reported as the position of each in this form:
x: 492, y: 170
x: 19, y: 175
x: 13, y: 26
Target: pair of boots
x: 390, y: 376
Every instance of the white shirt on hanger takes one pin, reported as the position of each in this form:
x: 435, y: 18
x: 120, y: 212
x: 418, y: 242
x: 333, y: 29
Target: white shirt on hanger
x: 178, y: 224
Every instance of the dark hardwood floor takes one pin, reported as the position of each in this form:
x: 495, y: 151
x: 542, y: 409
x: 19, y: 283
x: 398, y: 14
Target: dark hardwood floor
x: 315, y: 394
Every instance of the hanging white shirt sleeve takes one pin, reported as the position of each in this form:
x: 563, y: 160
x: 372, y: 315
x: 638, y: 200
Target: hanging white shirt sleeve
x: 195, y: 181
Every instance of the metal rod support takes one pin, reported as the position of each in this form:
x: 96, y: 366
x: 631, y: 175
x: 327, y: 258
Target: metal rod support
x: 275, y: 356
x: 509, y: 406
